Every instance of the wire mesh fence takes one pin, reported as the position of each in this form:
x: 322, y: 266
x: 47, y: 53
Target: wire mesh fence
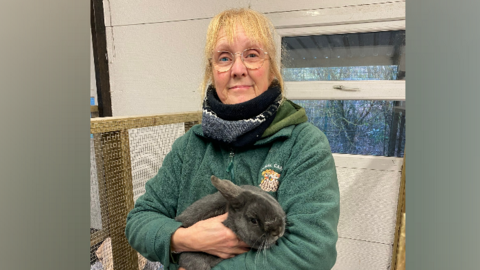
x: 125, y: 153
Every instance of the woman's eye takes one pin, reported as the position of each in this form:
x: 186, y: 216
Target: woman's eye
x: 254, y: 221
x: 224, y: 59
x: 252, y: 54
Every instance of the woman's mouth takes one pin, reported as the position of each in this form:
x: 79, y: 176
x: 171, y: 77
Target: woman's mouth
x: 240, y: 87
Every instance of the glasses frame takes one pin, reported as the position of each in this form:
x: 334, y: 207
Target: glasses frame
x: 234, y: 57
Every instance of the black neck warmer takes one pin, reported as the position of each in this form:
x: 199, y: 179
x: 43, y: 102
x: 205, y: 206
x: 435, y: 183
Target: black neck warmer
x: 239, y: 125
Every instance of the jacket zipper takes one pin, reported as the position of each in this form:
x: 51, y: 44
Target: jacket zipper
x: 230, y: 165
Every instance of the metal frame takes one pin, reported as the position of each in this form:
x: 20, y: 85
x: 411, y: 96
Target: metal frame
x: 382, y: 90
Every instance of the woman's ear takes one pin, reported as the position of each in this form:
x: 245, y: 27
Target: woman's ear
x: 271, y: 77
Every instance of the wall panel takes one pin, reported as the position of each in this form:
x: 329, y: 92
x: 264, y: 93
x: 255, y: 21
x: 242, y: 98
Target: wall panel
x: 156, y: 68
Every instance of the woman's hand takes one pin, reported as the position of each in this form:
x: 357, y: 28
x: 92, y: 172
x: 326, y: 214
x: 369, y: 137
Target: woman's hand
x: 209, y: 236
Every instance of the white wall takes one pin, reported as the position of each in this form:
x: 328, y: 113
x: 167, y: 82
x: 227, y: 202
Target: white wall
x: 155, y: 47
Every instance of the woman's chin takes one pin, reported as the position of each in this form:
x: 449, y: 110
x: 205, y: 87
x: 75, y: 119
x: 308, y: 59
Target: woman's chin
x: 236, y: 99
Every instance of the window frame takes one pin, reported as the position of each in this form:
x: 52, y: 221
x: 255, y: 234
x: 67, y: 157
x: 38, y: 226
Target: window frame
x: 368, y: 89
x: 302, y: 24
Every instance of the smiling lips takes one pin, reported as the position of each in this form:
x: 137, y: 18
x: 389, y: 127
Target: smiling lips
x: 240, y: 87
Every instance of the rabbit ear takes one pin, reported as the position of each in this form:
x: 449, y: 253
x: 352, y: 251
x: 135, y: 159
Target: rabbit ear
x: 229, y: 190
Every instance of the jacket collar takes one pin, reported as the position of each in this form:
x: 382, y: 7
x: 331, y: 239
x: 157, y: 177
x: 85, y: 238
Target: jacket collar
x: 285, y: 132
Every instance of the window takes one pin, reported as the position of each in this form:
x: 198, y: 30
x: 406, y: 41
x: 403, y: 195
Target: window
x: 363, y: 127
x: 352, y: 86
x: 345, y: 57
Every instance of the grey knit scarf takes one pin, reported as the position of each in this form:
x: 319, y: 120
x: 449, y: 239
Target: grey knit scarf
x: 242, y: 124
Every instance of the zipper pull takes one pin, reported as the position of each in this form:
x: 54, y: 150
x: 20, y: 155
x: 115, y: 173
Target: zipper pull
x: 230, y: 166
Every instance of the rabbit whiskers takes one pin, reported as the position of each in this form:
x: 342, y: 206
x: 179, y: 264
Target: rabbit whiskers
x: 262, y: 248
x: 256, y: 255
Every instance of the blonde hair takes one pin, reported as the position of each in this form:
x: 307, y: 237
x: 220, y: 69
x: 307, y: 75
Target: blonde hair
x: 256, y: 26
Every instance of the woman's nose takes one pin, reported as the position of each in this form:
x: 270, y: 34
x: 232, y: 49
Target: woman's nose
x: 239, y: 68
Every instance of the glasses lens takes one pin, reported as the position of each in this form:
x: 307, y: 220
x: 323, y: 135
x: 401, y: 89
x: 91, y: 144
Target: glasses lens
x: 222, y: 61
x: 253, y: 58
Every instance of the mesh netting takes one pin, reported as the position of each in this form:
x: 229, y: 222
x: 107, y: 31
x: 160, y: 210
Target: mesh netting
x: 125, y: 153
x: 148, y: 148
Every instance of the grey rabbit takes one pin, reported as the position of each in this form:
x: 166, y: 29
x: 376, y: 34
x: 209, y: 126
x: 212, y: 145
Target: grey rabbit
x: 253, y: 215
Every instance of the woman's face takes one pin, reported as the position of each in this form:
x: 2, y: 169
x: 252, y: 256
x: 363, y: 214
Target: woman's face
x: 239, y: 84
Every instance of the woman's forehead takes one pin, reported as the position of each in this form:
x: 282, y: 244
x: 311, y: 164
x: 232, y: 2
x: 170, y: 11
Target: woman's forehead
x: 224, y: 43
x: 238, y: 37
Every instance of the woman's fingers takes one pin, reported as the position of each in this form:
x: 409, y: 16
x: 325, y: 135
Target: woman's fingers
x: 240, y: 250
x: 222, y: 217
x: 231, y: 253
x: 243, y: 244
x: 211, y: 236
x: 224, y: 255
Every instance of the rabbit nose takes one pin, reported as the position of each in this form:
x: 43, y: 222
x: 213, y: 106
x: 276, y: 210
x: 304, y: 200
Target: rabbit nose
x: 275, y: 233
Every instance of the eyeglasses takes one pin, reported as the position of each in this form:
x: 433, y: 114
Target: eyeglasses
x: 252, y: 58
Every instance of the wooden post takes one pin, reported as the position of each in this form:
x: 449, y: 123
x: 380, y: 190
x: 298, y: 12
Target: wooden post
x: 401, y: 247
x: 189, y: 125
x: 100, y: 57
x: 119, y: 195
x: 400, y: 211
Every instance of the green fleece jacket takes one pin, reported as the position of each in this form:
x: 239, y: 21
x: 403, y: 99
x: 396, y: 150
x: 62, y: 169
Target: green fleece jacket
x: 291, y: 149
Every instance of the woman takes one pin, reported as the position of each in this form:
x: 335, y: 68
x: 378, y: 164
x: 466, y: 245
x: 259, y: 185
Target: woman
x: 251, y: 135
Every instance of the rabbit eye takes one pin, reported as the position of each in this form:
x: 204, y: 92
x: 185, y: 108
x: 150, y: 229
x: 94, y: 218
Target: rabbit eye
x: 254, y: 221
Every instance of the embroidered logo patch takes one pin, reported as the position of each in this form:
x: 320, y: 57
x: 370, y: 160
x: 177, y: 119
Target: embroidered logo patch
x: 270, y: 180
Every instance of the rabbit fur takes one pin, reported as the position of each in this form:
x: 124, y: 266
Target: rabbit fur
x: 253, y: 215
